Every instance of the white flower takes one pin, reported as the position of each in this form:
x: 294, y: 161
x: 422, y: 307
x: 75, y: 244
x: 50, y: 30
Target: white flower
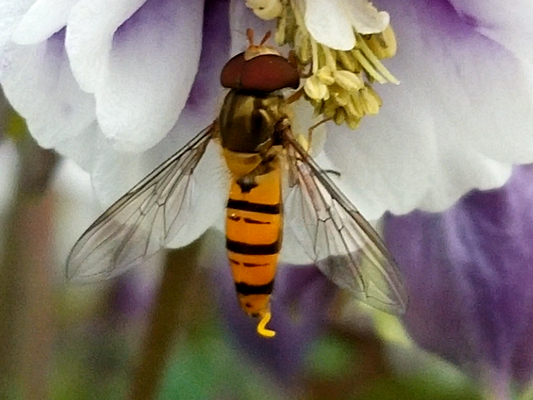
x: 461, y: 116
x: 119, y: 86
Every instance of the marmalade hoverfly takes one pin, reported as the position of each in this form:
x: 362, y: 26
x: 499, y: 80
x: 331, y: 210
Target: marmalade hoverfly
x: 268, y: 168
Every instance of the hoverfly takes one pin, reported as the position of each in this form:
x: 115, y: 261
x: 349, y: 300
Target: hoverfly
x: 268, y: 168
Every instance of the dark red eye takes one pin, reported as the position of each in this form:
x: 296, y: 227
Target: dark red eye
x: 230, y: 77
x: 265, y: 73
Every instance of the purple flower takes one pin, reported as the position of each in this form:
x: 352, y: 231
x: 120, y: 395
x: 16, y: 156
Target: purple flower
x: 469, y: 272
x: 120, y: 91
x: 445, y: 129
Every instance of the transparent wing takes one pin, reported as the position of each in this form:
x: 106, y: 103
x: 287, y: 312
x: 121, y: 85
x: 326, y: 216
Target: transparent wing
x: 142, y: 221
x: 336, y: 236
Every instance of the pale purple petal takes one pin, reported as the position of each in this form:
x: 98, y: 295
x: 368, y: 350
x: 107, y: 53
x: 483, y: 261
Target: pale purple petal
x: 459, y: 119
x: 11, y: 13
x: 507, y: 23
x: 39, y: 84
x: 141, y: 73
x: 82, y: 147
x: 115, y: 172
x: 43, y: 19
x: 90, y: 37
x: 496, y: 14
x: 469, y: 273
x: 118, y: 172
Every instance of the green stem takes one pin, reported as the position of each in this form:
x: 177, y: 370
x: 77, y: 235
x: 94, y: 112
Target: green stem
x: 165, y: 323
x: 25, y: 290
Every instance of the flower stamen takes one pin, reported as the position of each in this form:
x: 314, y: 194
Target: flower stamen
x: 339, y: 84
x: 371, y: 57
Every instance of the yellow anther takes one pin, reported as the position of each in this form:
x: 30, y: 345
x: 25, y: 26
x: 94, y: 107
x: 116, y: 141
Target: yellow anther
x: 382, y: 44
x: 303, y: 46
x: 315, y: 89
x: 325, y: 75
x: 370, y: 70
x: 265, y: 9
x: 371, y: 101
x: 340, y: 116
x: 337, y: 81
x: 261, y: 326
x: 379, y: 70
x: 348, y: 80
x: 347, y: 61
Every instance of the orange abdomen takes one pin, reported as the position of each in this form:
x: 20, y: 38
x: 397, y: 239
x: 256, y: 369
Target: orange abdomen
x: 254, y: 223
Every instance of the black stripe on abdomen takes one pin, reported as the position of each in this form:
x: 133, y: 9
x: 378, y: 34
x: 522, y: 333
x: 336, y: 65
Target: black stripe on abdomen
x: 253, y: 265
x: 246, y: 289
x: 254, y: 207
x: 253, y: 249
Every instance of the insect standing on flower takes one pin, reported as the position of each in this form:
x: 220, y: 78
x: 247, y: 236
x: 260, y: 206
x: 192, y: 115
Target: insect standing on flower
x: 272, y: 178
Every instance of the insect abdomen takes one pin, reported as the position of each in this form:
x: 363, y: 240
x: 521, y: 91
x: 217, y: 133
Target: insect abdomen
x: 253, y: 239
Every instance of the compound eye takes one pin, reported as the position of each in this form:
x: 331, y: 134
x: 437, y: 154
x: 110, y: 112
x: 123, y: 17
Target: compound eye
x: 230, y: 77
x: 268, y: 73
x: 264, y: 73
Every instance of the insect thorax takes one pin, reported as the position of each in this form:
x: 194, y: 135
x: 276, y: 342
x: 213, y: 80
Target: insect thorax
x: 248, y: 121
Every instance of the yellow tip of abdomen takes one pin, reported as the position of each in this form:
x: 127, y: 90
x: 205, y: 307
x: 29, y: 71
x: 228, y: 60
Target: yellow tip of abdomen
x: 261, y: 326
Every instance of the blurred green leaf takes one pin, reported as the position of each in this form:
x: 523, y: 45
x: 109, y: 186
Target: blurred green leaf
x: 16, y: 128
x: 207, y: 367
x: 419, y: 388
x: 328, y: 357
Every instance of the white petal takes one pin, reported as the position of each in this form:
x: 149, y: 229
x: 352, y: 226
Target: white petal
x: 42, y: 20
x: 11, y: 13
x: 495, y: 14
x: 200, y: 111
x: 365, y: 18
x: 381, y: 172
x: 146, y: 75
x: 208, y: 195
x: 90, y: 37
x: 209, y: 198
x: 482, y: 173
x: 77, y: 208
x: 508, y: 24
x: 39, y: 84
x: 460, y: 117
x: 114, y: 172
x: 329, y: 24
x: 82, y: 148
x: 332, y: 22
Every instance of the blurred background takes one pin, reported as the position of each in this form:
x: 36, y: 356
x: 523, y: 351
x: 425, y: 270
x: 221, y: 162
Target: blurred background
x: 173, y: 329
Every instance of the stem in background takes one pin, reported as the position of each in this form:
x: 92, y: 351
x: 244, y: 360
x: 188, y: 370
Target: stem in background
x: 166, y: 321
x: 26, y: 332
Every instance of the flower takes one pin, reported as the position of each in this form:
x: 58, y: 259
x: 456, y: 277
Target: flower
x: 452, y: 124
x: 470, y: 277
x: 111, y: 101
x: 120, y: 91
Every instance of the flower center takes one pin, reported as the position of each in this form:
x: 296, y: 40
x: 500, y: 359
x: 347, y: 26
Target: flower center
x: 339, y: 83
